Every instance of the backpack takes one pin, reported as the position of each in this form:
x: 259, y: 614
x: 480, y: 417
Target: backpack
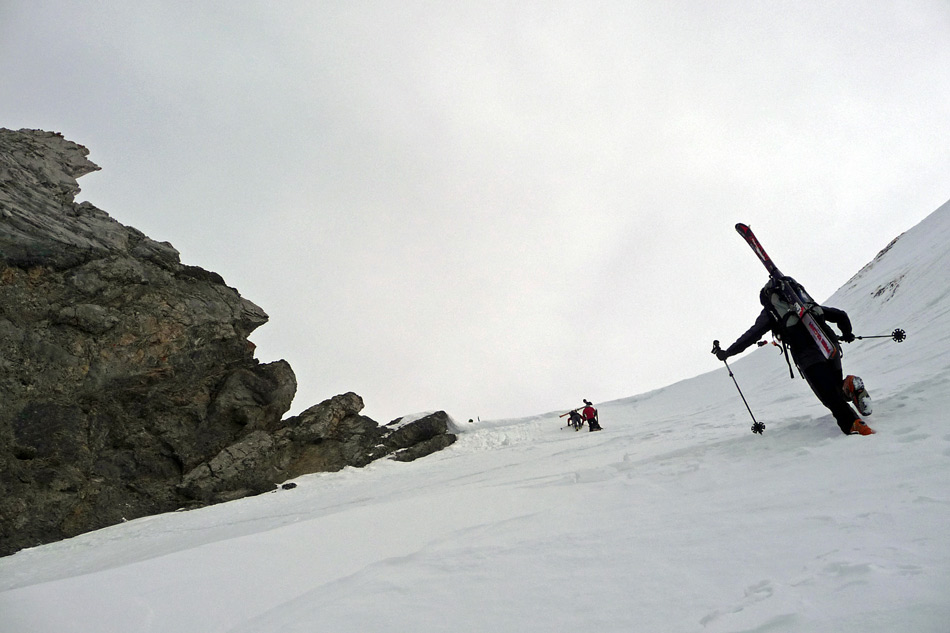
x: 780, y: 296
x: 789, y: 303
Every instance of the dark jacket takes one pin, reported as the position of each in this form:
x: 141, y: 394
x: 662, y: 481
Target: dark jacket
x: 804, y: 350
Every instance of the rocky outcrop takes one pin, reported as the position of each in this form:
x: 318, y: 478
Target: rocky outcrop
x: 128, y: 385
x: 411, y: 440
x: 326, y: 437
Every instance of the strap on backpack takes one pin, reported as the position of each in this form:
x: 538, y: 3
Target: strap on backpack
x: 788, y: 361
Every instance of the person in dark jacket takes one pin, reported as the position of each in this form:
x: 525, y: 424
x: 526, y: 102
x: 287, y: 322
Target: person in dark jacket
x: 575, y: 420
x: 823, y: 375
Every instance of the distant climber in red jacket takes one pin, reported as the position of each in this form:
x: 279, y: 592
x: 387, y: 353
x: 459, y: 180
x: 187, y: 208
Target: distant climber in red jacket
x: 590, y: 415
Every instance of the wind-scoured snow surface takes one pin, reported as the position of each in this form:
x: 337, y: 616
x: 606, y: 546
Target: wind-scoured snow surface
x: 674, y: 518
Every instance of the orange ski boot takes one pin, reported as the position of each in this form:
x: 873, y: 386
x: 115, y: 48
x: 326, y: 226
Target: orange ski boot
x: 860, y: 428
x: 855, y: 392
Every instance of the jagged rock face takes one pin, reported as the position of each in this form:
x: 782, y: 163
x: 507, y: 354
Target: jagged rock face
x: 128, y: 385
x: 324, y: 438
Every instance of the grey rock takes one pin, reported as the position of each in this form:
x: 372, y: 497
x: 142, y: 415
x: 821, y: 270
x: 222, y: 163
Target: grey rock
x: 88, y: 317
x: 420, y: 437
x: 424, y: 448
x: 128, y: 385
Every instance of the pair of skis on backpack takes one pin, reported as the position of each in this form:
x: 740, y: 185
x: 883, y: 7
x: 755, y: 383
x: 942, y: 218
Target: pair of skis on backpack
x: 799, y: 303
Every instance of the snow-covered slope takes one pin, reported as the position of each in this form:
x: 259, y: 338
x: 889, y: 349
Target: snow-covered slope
x: 675, y: 518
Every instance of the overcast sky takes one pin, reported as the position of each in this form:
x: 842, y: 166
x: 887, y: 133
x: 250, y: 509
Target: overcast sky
x: 496, y: 208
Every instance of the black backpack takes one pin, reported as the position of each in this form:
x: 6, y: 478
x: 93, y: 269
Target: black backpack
x: 780, y: 295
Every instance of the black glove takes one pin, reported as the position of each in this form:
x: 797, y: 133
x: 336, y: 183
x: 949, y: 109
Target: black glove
x: 721, y: 354
x: 848, y: 338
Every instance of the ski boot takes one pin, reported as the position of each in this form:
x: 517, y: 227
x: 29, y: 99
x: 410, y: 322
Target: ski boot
x: 860, y: 428
x: 855, y: 392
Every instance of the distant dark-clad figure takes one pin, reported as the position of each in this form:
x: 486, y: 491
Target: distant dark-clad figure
x: 590, y: 416
x: 823, y: 375
x: 575, y: 420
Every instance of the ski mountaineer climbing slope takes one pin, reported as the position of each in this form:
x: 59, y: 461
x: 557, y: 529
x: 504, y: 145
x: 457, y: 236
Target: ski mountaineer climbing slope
x: 802, y: 326
x: 590, y: 416
x: 576, y: 421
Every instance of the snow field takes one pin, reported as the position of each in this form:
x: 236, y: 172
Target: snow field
x: 674, y: 518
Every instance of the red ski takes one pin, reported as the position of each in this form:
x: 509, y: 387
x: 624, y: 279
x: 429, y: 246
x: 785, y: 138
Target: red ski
x: 825, y: 343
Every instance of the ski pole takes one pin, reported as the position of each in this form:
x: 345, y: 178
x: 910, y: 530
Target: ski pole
x: 757, y: 427
x: 897, y: 335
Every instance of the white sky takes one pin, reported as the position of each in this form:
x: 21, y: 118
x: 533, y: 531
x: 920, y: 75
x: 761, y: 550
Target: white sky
x: 496, y: 208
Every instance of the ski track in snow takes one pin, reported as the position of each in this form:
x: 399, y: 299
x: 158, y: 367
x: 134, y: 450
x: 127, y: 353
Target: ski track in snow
x: 674, y: 518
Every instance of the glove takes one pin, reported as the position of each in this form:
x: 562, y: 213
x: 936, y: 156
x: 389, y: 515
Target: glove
x: 848, y: 338
x: 721, y: 354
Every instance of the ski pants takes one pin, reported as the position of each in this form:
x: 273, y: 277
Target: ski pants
x: 826, y: 380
